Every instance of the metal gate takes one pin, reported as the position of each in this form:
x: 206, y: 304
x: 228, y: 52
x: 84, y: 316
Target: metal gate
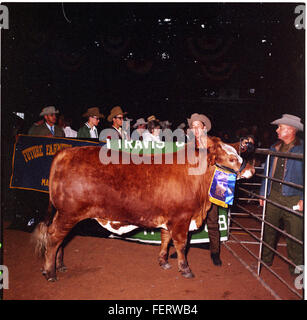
x: 252, y: 240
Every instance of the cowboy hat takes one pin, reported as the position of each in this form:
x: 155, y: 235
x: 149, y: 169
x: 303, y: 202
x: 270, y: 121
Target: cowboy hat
x: 93, y: 112
x: 181, y: 126
x: 200, y: 117
x: 151, y: 118
x: 139, y: 122
x: 290, y: 120
x: 165, y: 124
x: 115, y: 112
x: 48, y: 110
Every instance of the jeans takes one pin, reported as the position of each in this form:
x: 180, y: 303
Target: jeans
x: 292, y: 224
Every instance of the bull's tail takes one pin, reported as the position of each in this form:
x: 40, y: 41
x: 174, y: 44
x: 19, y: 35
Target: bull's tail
x: 50, y: 214
x: 40, y: 239
x: 40, y: 234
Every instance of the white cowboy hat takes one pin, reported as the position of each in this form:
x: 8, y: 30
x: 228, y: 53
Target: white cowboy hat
x: 290, y: 120
x: 139, y: 122
x: 200, y: 117
x: 48, y: 110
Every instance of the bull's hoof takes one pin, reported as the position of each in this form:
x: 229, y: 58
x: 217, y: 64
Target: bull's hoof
x: 62, y: 269
x: 52, y: 279
x: 165, y: 266
x: 187, y: 274
x: 48, y: 277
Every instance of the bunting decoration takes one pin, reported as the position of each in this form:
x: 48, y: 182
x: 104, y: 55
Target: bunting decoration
x: 218, y: 72
x: 116, y: 45
x: 208, y: 48
x: 71, y: 60
x: 139, y: 66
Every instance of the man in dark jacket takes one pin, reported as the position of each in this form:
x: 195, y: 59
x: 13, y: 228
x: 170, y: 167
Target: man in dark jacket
x: 37, y: 202
x: 48, y: 126
x: 289, y: 170
x: 89, y: 129
x: 200, y: 125
x: 116, y: 117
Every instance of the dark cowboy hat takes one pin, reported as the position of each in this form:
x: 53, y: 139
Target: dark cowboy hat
x: 93, y: 112
x: 115, y: 112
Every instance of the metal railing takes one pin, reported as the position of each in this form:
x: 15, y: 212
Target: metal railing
x: 257, y: 233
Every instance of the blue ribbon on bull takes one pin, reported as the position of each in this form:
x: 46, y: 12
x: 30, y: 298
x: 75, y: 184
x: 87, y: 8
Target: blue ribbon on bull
x: 222, y: 187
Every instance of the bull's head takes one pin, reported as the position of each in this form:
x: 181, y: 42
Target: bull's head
x: 226, y: 156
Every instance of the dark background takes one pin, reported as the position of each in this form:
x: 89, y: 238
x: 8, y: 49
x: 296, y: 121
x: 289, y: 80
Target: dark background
x: 240, y: 64
x: 165, y: 59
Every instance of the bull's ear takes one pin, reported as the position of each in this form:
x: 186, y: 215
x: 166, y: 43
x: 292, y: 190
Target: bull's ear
x: 211, y: 158
x: 235, y: 145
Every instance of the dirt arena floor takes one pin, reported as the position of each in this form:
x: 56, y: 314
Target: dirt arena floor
x: 112, y: 269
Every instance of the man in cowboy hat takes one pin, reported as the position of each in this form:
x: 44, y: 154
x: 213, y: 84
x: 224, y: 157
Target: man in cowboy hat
x: 200, y: 125
x: 89, y: 130
x: 116, y: 116
x: 165, y: 124
x: 140, y: 127
x: 38, y: 201
x: 48, y: 126
x: 289, y: 170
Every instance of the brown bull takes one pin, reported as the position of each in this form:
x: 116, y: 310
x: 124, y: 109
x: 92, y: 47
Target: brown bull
x: 123, y: 197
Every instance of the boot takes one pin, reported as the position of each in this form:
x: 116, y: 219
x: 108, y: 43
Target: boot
x: 216, y: 259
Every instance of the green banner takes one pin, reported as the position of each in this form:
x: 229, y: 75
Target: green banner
x: 145, y: 147
x: 200, y: 236
x: 33, y: 156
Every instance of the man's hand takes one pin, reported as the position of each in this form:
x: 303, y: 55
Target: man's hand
x: 247, y: 143
x: 300, y: 205
x: 249, y: 139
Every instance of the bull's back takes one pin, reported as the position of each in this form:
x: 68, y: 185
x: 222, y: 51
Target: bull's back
x: 80, y: 182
